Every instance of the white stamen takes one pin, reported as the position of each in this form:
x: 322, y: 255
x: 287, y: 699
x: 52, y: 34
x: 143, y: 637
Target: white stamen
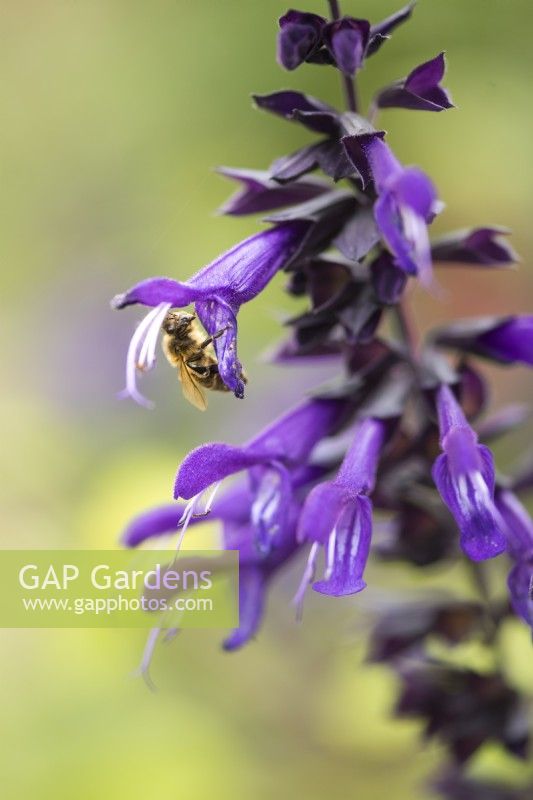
x: 148, y: 654
x: 211, y: 497
x: 141, y: 351
x: 307, y: 577
x: 146, y: 359
x: 190, y: 511
x: 330, y: 557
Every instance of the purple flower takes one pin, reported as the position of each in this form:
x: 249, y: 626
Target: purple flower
x: 508, y: 340
x: 475, y: 246
x: 407, y: 202
x: 420, y: 91
x: 519, y: 528
x: 270, y: 460
x: 464, y: 476
x: 256, y: 569
x: 337, y: 515
x: 260, y: 193
x: 347, y: 40
x: 299, y: 37
x: 218, y: 290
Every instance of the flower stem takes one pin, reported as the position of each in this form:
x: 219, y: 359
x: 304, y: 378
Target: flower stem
x: 348, y: 83
x: 407, y: 330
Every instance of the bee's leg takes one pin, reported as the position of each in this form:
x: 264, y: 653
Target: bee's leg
x: 213, y: 337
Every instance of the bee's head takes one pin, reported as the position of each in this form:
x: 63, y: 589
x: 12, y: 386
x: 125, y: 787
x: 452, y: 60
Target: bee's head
x: 177, y: 322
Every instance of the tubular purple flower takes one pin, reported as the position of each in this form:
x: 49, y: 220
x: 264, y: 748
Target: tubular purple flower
x: 218, y: 290
x: 407, y: 202
x: 420, y: 90
x: 337, y: 515
x: 270, y: 459
x: 255, y: 569
x: 464, y: 476
x: 508, y: 340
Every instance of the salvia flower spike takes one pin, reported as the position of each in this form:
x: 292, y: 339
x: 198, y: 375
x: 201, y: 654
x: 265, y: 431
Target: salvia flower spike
x: 400, y: 435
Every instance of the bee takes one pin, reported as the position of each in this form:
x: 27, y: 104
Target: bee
x: 187, y: 348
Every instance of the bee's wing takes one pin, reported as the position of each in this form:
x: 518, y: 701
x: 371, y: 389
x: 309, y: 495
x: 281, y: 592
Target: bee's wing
x: 192, y: 390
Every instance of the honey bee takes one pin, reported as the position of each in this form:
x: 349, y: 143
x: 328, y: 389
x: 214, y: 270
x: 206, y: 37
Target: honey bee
x: 187, y: 348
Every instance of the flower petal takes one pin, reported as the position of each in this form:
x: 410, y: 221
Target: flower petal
x: 427, y: 75
x: 352, y: 546
x: 420, y: 91
x: 519, y: 525
x: 241, y: 273
x: 321, y: 512
x: 508, y: 340
x: 156, y: 521
x: 471, y: 504
x: 346, y: 40
x: 389, y: 222
x: 251, y: 607
x: 358, y: 236
x: 260, y: 193
x: 475, y: 246
x: 210, y: 463
x: 358, y: 470
x: 293, y: 435
x: 154, y: 291
x: 298, y: 38
x: 216, y: 317
x: 299, y: 107
x: 414, y: 189
x: 272, y: 491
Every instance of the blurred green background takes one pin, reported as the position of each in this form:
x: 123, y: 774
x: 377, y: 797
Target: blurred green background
x: 114, y: 114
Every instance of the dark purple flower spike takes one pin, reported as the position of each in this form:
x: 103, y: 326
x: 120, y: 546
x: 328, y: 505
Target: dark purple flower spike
x: 367, y: 438
x: 218, y: 291
x: 420, y: 91
x: 464, y: 476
